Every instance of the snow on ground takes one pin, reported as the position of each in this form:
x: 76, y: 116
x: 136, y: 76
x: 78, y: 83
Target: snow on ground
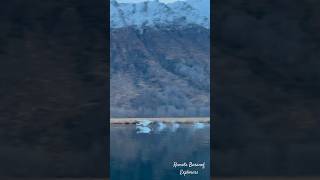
x: 155, y: 13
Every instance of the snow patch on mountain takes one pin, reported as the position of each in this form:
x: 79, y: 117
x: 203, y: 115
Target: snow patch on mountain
x: 159, y: 14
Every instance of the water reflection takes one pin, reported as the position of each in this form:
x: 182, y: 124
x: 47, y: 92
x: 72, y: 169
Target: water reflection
x: 138, y: 156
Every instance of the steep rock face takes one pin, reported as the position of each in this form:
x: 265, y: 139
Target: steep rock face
x: 161, y: 72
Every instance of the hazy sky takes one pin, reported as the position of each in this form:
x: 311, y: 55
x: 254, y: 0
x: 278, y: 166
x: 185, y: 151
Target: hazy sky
x: 144, y: 0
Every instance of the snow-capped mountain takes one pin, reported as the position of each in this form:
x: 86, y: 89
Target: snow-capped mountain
x: 160, y: 59
x: 155, y: 13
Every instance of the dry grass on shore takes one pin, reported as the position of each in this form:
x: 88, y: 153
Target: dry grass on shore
x: 164, y: 120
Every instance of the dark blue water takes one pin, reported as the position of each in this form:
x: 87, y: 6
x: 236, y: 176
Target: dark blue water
x: 152, y: 156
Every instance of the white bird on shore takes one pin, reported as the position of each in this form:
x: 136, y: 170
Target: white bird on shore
x: 142, y: 126
x: 144, y: 122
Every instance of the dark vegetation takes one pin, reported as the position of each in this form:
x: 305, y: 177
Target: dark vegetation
x: 266, y: 87
x: 53, y: 88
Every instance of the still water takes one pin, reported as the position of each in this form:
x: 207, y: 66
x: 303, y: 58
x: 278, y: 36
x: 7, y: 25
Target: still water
x: 150, y: 152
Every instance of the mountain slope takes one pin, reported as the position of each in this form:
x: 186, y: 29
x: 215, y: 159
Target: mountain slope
x: 163, y: 70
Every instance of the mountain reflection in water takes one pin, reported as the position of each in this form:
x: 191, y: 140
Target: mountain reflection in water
x: 139, y: 156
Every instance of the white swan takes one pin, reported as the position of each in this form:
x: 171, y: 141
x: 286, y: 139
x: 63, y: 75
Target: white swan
x: 142, y: 126
x: 144, y: 122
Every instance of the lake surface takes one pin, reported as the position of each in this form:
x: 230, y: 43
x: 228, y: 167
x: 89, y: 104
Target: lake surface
x: 149, y: 154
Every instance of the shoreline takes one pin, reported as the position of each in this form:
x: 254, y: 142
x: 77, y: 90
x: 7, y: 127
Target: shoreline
x: 164, y: 120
